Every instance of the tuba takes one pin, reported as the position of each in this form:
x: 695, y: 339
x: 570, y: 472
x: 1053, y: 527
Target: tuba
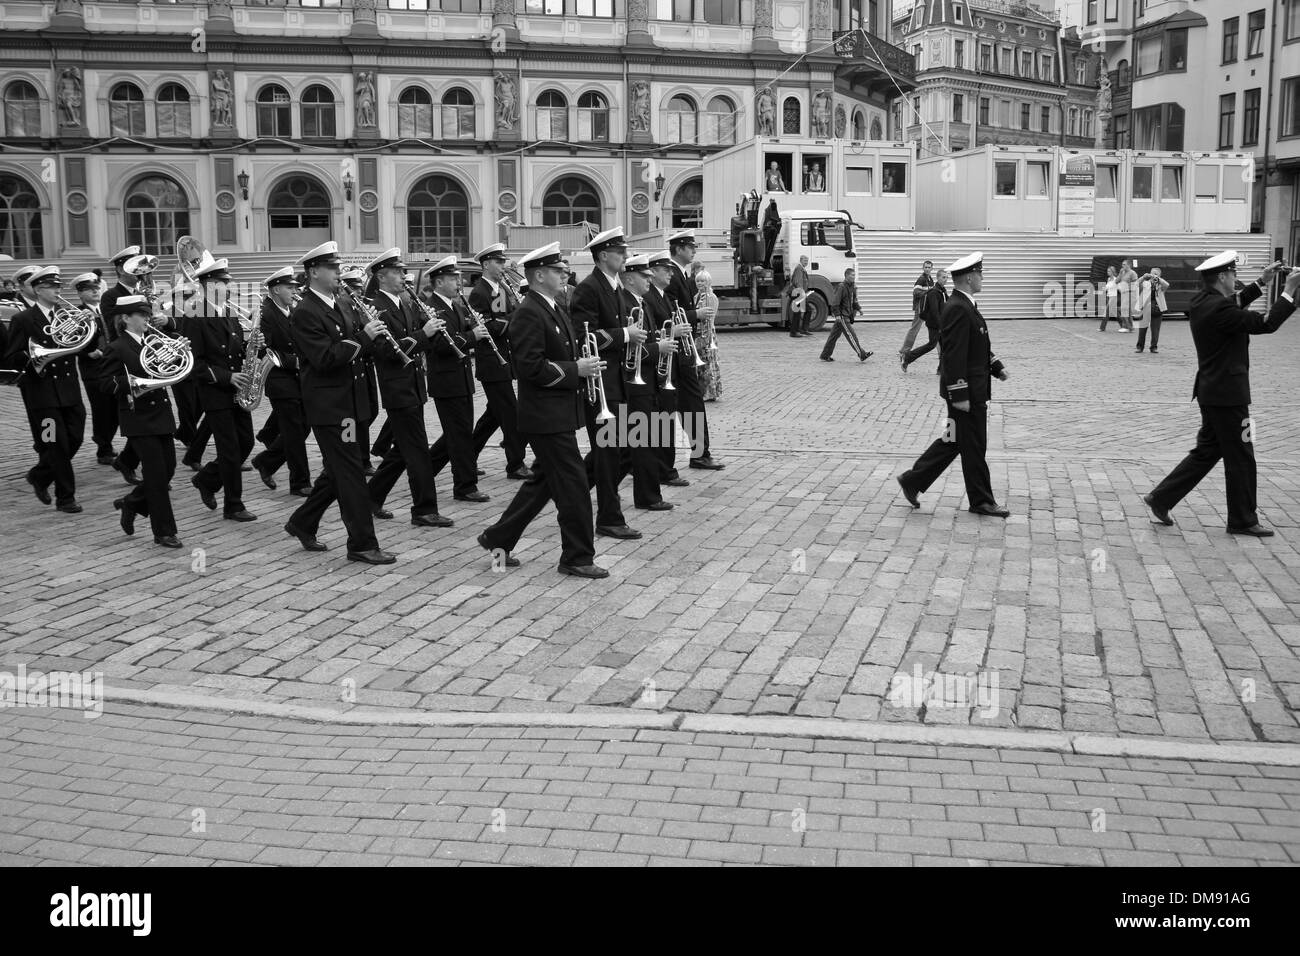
x: 71, y: 328
x: 191, y: 256
x: 166, y: 361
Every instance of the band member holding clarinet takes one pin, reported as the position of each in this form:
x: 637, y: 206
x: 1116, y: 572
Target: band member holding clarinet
x: 492, y: 299
x: 289, y: 442
x: 335, y: 401
x: 51, y: 391
x: 553, y: 384
x: 641, y: 382
x: 690, y: 390
x: 146, y: 420
x: 355, y: 279
x: 400, y: 366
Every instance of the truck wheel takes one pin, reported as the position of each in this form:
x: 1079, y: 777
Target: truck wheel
x: 818, y: 312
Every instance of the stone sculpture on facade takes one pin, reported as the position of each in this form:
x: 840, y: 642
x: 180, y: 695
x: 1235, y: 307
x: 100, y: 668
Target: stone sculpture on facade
x: 1103, y: 106
x: 821, y: 114
x: 640, y: 107
x: 841, y: 122
x: 69, y: 98
x: 507, y: 101
x: 766, y: 112
x: 222, y: 98
x: 366, y: 117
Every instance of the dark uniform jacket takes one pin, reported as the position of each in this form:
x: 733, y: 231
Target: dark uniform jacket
x: 152, y: 412
x: 278, y: 334
x: 106, y: 303
x: 1221, y: 330
x: 367, y: 355
x: 449, y: 376
x: 218, y: 344
x: 495, y: 309
x: 932, y: 306
x: 400, y: 385
x: 546, y: 350
x: 332, y: 372
x: 90, y: 367
x: 966, y: 359
x: 599, y: 305
x: 57, y: 385
x: 682, y: 291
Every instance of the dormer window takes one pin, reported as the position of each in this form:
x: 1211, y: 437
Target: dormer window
x: 958, y: 15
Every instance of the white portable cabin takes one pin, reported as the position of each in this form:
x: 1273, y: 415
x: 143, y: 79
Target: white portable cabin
x: 1017, y: 189
x: 872, y: 181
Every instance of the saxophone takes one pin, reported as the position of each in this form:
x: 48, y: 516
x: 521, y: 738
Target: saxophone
x: 257, y: 369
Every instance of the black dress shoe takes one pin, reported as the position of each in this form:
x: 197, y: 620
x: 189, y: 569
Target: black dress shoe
x: 583, y: 571
x: 434, y: 520
x: 657, y: 506
x: 908, y: 493
x: 245, y: 467
x: 127, y: 516
x: 1158, y: 515
x: 266, y: 476
x: 72, y: 508
x: 167, y: 540
x: 617, y: 531
x: 473, y: 496
x: 383, y: 514
x: 369, y: 472
x: 208, y: 497
x: 676, y: 482
x: 42, y: 493
x: 1255, y: 531
x: 479, y: 472
x: 519, y: 474
x: 511, y: 562
x: 303, y: 492
x: 990, y: 511
x: 240, y: 516
x: 128, y: 474
x: 308, y: 541
x: 372, y: 557
x: 106, y: 459
x: 191, y: 464
x: 827, y: 358
x: 707, y: 463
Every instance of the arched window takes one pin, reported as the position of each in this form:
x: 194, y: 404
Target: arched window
x: 1122, y: 81
x: 415, y: 113
x: 552, y: 116
x: 859, y: 125
x: 437, y: 218
x: 571, y: 200
x: 126, y: 110
x: 720, y: 122
x: 157, y: 211
x: 172, y: 110
x: 22, y: 110
x: 20, y: 218
x: 791, y: 117
x: 877, y: 131
x: 318, y: 113
x: 593, y: 118
x: 273, y: 117
x: 457, y: 114
x: 680, y: 122
x: 299, y: 211
x: 688, y: 205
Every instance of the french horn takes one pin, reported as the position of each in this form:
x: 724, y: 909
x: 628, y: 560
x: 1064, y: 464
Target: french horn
x: 167, y: 361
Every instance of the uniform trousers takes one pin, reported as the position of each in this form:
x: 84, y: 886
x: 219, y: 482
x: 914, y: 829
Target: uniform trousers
x: 232, y: 431
x: 270, y: 429
x: 558, y: 475
x: 456, y: 444
x: 501, y: 412
x: 103, y: 417
x: 1223, y: 433
x: 59, y: 432
x: 966, y: 434
x: 644, y: 450
x: 384, y: 440
x: 188, y: 411
x: 342, y: 479
x: 606, y: 465
x: 150, y: 498
x: 288, y: 444
x: 690, y: 402
x: 409, y: 452
x: 666, y: 453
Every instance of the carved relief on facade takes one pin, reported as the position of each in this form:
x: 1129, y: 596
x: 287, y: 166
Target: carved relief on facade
x: 507, y: 102
x: 69, y: 97
x: 222, y: 97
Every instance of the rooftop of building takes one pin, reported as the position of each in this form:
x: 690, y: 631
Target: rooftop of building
x: 942, y: 12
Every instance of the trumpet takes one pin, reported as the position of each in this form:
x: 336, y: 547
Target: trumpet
x: 479, y: 321
x: 71, y: 328
x: 665, y: 366
x: 430, y: 314
x: 595, y: 384
x: 688, y: 340
x: 713, y: 331
x: 635, y: 352
x: 371, y: 314
x: 167, y: 361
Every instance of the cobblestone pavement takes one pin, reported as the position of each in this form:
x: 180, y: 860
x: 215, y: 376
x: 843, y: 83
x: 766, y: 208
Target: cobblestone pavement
x: 794, y: 582
x: 139, y: 786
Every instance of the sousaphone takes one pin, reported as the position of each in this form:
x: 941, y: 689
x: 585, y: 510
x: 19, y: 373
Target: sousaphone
x: 191, y: 256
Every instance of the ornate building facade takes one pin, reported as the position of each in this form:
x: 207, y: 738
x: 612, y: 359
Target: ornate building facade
x: 426, y: 124
x: 993, y: 72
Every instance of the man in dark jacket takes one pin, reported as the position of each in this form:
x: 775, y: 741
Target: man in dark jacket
x: 492, y: 299
x: 690, y: 400
x: 103, y: 408
x: 289, y: 444
x: 932, y: 305
x: 845, y: 306
x: 1221, y: 329
x: 968, y: 363
x: 451, y: 383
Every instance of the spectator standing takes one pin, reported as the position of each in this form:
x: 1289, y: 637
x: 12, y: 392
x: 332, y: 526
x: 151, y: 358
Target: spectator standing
x: 1153, y: 293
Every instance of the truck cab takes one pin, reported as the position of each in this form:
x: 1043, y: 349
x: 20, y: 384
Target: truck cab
x: 826, y: 238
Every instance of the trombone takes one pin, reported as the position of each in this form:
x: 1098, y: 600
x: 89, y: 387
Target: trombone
x: 635, y: 352
x: 596, y: 383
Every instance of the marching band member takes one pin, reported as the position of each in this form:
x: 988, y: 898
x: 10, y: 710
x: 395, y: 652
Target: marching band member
x: 103, y: 406
x: 552, y: 392
x: 126, y: 462
x: 335, y: 401
x: 146, y: 420
x: 663, y: 308
x: 51, y: 394
x: 690, y: 399
x: 405, y: 391
x: 491, y: 299
x: 451, y: 383
x: 597, y: 301
x: 23, y: 280
x: 643, y: 401
x: 217, y: 341
x: 289, y: 442
x: 355, y: 278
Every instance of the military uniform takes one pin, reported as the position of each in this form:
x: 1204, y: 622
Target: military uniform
x: 288, y: 444
x: 496, y: 303
x: 451, y: 384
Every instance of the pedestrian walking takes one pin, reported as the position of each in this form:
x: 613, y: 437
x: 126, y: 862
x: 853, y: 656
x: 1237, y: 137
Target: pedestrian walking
x: 923, y: 284
x: 845, y: 307
x: 932, y: 307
